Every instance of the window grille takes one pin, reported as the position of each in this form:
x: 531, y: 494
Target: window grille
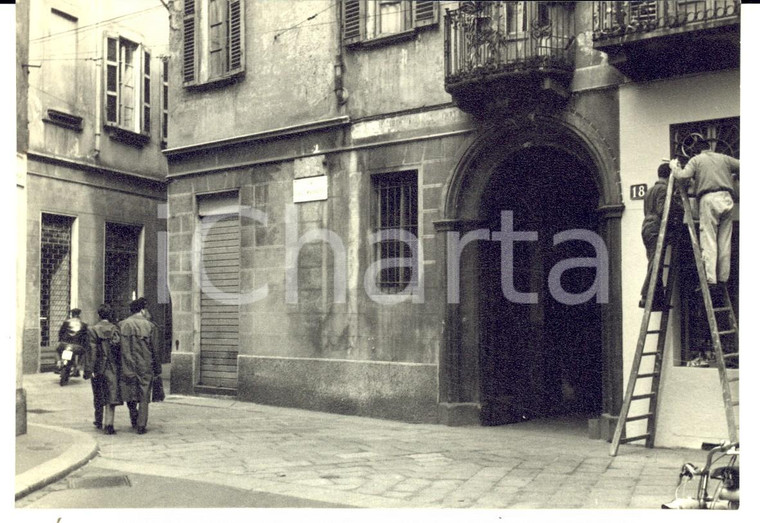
x: 696, y: 344
x: 55, y: 275
x: 395, y: 210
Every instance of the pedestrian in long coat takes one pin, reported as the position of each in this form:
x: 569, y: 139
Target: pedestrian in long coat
x: 140, y: 363
x: 103, y: 367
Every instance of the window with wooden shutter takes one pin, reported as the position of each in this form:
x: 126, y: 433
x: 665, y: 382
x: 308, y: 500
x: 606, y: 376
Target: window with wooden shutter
x: 425, y: 13
x: 188, y: 43
x: 385, y: 21
x: 235, y: 36
x: 146, y: 93
x: 126, y: 93
x: 112, y: 80
x: 354, y: 21
x: 214, y: 41
x: 164, y: 101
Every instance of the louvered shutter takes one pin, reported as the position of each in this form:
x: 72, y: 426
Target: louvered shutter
x: 111, y: 80
x: 425, y: 13
x: 188, y: 43
x: 145, y: 129
x: 354, y: 21
x: 235, y: 40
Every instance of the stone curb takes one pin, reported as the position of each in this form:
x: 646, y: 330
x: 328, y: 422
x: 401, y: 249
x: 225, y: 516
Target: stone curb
x: 81, y: 451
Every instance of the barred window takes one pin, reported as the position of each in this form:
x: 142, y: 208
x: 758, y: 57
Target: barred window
x: 696, y: 342
x: 55, y: 274
x: 395, y: 218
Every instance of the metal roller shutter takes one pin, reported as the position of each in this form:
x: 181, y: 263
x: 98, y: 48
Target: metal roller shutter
x: 220, y: 286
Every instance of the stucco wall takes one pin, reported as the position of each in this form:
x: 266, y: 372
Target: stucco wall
x: 70, y: 79
x: 690, y: 406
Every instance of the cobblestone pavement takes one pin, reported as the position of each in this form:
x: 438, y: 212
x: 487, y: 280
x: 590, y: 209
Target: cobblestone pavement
x: 366, y: 462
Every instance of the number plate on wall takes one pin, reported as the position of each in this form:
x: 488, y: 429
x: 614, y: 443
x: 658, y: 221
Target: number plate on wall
x: 638, y: 191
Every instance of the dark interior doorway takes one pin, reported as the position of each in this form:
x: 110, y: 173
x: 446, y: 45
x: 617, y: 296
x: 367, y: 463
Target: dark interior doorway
x: 539, y: 359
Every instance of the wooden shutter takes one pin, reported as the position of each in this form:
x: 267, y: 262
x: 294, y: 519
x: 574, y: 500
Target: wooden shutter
x: 354, y: 21
x: 111, y: 80
x: 235, y: 32
x: 425, y: 13
x: 188, y: 43
x: 145, y: 129
x: 220, y: 320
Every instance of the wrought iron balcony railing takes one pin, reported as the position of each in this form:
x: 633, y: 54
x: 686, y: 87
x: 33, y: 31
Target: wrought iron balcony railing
x: 489, y: 39
x: 616, y: 19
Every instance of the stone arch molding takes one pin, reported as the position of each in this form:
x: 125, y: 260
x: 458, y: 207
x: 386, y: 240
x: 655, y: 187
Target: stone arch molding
x: 459, y: 381
x: 573, y: 134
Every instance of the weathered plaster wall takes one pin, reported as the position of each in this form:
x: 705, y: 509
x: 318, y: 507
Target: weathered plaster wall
x: 646, y: 112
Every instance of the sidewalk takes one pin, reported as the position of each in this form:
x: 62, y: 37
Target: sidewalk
x: 361, y: 462
x: 46, y: 454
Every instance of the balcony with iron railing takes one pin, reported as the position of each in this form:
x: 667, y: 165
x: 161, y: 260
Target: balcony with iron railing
x: 496, y: 51
x: 657, y: 38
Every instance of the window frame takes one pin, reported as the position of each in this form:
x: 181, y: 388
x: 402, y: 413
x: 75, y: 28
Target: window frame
x: 723, y: 135
x: 115, y: 74
x: 357, y: 17
x: 405, y: 219
x: 197, y: 29
x: 164, y: 96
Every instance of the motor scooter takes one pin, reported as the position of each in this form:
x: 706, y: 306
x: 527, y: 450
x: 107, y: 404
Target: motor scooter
x: 725, y: 495
x: 69, y: 355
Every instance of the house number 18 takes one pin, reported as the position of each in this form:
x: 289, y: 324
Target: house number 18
x: 638, y: 191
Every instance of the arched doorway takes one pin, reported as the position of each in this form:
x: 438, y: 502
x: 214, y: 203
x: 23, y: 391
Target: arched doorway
x: 544, y: 358
x: 553, y: 174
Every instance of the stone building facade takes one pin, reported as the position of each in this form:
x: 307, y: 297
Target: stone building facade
x: 378, y: 207
x: 96, y: 192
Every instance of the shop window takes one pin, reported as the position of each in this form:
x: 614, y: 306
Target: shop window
x: 127, y: 88
x: 696, y: 343
x: 213, y: 47
x: 394, y: 212
x: 375, y: 20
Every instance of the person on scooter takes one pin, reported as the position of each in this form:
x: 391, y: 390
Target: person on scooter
x: 73, y: 333
x: 103, y: 367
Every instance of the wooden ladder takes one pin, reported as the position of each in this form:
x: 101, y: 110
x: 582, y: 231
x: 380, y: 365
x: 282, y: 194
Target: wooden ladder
x: 649, y: 380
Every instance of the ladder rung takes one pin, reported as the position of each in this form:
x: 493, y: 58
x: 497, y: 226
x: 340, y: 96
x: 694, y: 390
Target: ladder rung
x: 657, y: 331
x: 647, y: 375
x: 640, y: 416
x: 731, y: 380
x: 634, y: 438
x: 734, y: 403
x: 731, y: 355
x: 729, y: 331
x: 721, y: 309
x: 643, y: 396
x: 649, y: 353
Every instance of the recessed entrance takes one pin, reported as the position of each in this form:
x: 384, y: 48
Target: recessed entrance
x: 539, y: 359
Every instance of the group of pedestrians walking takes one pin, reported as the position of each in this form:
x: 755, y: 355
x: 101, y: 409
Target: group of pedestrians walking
x: 121, y: 361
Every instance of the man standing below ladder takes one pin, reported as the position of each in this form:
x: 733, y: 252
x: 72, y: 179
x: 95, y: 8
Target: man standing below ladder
x: 712, y: 173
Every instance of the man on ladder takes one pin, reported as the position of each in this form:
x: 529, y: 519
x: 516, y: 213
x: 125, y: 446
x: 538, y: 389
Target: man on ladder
x: 712, y: 173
